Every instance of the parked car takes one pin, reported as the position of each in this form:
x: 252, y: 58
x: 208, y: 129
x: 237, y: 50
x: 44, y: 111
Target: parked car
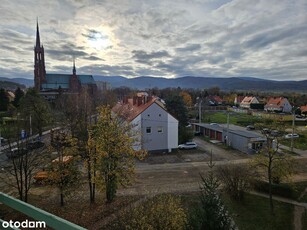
x: 3, y: 140
x: 35, y: 145
x: 276, y: 133
x: 15, y: 152
x: 188, y: 145
x: 290, y: 135
x: 214, y: 124
x: 250, y: 127
x: 266, y: 131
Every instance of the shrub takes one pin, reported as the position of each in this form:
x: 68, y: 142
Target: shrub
x: 159, y: 212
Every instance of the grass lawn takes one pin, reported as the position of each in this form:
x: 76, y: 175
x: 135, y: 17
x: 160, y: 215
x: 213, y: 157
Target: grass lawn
x: 234, y: 118
x: 253, y: 213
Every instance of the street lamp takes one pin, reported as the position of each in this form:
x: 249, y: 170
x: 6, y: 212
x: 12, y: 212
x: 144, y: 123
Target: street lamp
x: 293, y: 125
x: 199, y: 109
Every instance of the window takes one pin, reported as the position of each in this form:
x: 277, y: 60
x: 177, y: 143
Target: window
x: 160, y: 129
x: 148, y: 129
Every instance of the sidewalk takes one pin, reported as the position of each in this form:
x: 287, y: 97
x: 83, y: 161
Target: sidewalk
x: 302, y: 153
x: 282, y: 199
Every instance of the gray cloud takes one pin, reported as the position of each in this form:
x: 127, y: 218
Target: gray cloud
x: 162, y: 38
x: 189, y: 48
x: 142, y: 56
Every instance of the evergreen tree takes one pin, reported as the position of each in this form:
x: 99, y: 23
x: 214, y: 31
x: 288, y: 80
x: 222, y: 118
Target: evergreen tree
x: 4, y: 100
x: 18, y: 95
x: 212, y: 214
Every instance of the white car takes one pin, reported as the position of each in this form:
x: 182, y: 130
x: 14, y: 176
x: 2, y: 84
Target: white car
x: 290, y: 135
x: 188, y: 145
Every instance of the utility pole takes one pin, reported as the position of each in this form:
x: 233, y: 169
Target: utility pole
x: 293, y: 124
x: 227, y: 141
x: 199, y: 110
x: 0, y: 141
x: 30, y: 126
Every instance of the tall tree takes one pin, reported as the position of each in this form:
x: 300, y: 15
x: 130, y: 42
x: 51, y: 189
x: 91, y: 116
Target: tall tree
x: 187, y: 99
x: 277, y: 165
x: 63, y: 172
x: 18, y: 95
x: 114, y: 140
x: 22, y: 165
x: 175, y: 106
x: 4, y: 100
x: 36, y: 109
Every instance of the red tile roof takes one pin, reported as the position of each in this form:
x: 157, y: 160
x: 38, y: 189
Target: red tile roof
x: 130, y: 109
x: 303, y: 108
x: 275, y: 102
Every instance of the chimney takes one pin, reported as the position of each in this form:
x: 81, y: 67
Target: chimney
x: 125, y: 100
x: 134, y: 99
x: 140, y: 100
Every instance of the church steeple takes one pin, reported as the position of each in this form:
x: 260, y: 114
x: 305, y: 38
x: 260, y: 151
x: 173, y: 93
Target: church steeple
x: 74, y: 68
x: 38, y: 42
x: 39, y: 62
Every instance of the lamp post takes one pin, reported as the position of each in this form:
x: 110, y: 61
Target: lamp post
x: 227, y: 140
x: 293, y: 125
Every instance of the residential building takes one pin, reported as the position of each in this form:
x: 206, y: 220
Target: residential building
x: 234, y: 136
x: 238, y: 100
x: 214, y: 100
x: 247, y: 101
x: 157, y: 129
x: 50, y: 85
x: 304, y: 109
x: 279, y: 104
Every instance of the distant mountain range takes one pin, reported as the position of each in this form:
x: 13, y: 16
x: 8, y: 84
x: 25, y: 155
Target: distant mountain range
x: 226, y: 84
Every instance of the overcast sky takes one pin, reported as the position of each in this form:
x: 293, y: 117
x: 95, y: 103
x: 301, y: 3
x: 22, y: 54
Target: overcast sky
x: 164, y: 38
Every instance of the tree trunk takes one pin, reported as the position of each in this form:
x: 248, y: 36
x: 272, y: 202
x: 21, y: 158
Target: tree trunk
x: 270, y: 186
x: 62, y: 199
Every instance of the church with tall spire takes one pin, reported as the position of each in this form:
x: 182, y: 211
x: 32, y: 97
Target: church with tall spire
x: 50, y: 85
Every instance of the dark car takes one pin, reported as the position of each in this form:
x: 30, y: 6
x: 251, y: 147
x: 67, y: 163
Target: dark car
x: 35, y: 145
x: 250, y: 127
x: 15, y: 152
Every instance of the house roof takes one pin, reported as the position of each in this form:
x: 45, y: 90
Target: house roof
x: 239, y: 99
x: 247, y: 100
x: 216, y: 98
x: 303, y: 108
x: 275, y: 102
x: 55, y: 81
x: 129, y: 110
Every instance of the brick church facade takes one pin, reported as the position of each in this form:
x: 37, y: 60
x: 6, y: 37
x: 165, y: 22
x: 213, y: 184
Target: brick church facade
x: 50, y: 85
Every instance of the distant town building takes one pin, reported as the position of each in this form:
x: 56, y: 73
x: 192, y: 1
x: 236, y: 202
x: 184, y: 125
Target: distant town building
x: 238, y: 100
x: 279, y: 104
x: 247, y: 101
x: 214, y: 100
x: 157, y: 129
x: 50, y: 85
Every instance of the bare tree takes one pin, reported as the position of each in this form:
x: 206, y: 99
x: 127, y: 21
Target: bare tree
x: 272, y: 160
x: 22, y: 164
x: 236, y: 179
